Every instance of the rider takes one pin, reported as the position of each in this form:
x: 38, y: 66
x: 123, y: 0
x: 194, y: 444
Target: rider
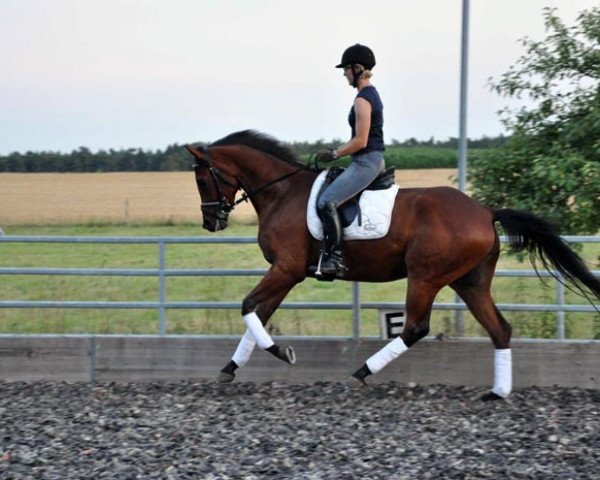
x: 366, y: 148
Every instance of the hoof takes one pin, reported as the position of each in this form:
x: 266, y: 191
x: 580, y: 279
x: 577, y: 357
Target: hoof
x: 283, y: 352
x: 355, y: 383
x: 287, y: 354
x: 490, y: 397
x: 225, y: 377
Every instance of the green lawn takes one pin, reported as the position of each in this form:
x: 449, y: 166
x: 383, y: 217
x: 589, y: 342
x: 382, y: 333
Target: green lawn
x: 233, y: 289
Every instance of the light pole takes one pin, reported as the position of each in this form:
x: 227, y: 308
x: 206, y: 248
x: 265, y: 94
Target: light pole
x: 462, y: 135
x: 459, y: 323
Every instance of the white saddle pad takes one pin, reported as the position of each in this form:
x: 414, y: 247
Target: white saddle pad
x: 376, y: 213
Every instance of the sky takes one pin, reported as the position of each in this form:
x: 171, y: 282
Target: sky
x: 150, y: 73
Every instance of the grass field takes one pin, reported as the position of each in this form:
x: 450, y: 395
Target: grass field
x: 291, y: 322
x: 167, y: 204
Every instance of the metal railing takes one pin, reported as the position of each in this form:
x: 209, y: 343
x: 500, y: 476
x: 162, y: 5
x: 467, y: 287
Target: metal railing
x: 162, y: 272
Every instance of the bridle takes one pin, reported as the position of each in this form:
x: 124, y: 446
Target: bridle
x: 224, y: 207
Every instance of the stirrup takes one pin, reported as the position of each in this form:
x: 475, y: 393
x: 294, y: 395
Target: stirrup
x: 330, y: 266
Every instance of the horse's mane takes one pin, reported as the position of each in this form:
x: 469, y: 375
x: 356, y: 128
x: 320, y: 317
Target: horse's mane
x: 262, y: 142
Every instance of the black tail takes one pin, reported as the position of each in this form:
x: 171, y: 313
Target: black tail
x: 541, y: 240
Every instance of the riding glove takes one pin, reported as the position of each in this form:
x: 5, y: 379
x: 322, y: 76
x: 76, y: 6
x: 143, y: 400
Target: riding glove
x: 326, y: 155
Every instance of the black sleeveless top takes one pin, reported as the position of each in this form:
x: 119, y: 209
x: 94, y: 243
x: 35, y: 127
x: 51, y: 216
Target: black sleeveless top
x: 375, y: 141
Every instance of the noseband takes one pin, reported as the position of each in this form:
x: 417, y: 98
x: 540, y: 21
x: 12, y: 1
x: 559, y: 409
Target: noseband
x: 224, y: 206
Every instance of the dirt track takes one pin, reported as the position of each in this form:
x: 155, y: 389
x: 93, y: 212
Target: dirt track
x: 315, y: 431
x: 51, y: 198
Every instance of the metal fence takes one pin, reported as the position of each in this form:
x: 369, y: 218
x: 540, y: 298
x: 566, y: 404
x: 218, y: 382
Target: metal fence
x: 560, y: 307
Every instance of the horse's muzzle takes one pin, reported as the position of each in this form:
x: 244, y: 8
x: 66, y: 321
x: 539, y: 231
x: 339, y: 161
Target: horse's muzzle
x: 215, y: 226
x: 215, y: 220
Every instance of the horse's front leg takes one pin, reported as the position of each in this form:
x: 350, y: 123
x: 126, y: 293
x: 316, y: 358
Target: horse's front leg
x: 257, y: 308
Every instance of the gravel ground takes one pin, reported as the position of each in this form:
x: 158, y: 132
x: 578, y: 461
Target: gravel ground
x: 187, y: 430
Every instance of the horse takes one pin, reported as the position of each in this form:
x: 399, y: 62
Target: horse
x: 437, y: 237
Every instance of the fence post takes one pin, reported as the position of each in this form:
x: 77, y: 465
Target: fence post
x: 355, y: 311
x: 162, y: 294
x: 560, y: 314
x: 459, y: 317
x: 93, y: 359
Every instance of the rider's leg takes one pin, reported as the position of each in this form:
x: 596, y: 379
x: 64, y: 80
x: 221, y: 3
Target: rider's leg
x: 357, y: 176
x: 331, y: 261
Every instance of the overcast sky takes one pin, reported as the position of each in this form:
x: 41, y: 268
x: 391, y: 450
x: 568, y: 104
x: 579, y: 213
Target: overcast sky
x: 148, y: 73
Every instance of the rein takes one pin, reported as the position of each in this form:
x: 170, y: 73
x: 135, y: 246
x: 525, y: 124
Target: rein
x: 218, y: 177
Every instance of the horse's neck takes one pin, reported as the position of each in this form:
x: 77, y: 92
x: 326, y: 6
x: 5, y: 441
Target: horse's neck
x: 257, y: 172
x: 293, y: 190
x: 267, y: 180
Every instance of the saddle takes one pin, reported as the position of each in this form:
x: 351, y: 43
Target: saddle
x: 350, y: 210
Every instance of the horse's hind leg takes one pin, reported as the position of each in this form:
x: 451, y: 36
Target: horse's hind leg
x: 419, y: 299
x: 475, y: 289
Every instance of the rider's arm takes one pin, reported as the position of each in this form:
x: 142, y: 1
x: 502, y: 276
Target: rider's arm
x: 362, y: 110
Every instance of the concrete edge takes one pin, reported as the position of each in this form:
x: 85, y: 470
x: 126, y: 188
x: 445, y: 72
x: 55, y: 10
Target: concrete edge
x: 138, y: 359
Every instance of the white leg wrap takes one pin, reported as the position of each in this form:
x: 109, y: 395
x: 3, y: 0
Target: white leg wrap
x: 502, y: 372
x: 244, y: 349
x: 262, y: 338
x: 388, y: 353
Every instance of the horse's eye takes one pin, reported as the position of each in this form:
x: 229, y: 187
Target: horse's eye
x: 201, y: 182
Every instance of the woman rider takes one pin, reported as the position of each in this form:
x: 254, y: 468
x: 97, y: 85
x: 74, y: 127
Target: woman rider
x: 366, y: 149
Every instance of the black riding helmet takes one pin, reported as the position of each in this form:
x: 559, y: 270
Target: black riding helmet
x: 360, y: 54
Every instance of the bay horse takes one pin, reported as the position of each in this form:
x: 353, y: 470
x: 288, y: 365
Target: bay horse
x: 437, y: 237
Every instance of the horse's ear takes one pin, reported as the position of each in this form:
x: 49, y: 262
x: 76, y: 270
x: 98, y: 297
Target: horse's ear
x: 194, y: 151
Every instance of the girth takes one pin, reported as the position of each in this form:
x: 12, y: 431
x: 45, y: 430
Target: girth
x: 351, y: 209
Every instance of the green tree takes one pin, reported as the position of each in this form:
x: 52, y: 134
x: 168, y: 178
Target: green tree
x: 551, y: 162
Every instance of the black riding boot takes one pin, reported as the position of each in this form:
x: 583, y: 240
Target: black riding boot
x: 330, y: 263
